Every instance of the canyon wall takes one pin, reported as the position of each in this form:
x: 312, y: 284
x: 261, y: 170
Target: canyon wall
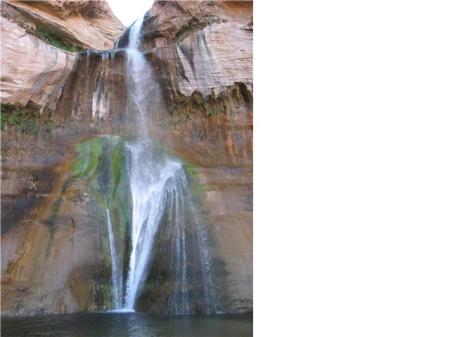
x: 38, y: 45
x: 54, y: 240
x: 81, y: 24
x: 49, y: 263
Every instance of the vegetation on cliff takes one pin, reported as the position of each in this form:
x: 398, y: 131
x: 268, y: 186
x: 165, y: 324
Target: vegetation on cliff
x: 183, y: 108
x: 56, y: 40
x: 23, y: 119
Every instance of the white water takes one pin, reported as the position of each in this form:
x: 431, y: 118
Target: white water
x: 182, y: 216
x: 137, y: 82
x: 120, y: 311
x: 100, y: 102
x: 150, y: 174
x: 116, y: 272
x: 149, y: 171
x: 145, y: 101
x: 158, y: 187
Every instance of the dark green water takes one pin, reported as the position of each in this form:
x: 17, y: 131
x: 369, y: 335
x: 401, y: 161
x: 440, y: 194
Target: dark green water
x: 127, y: 325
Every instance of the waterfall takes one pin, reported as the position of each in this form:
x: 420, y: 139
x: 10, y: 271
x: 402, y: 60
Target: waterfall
x: 145, y: 101
x: 116, y: 272
x: 161, y: 205
x: 99, y: 98
x: 150, y: 175
x: 138, y: 78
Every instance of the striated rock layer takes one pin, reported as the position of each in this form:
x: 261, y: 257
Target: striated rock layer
x: 54, y: 239
x: 32, y: 70
x: 36, y: 44
x: 83, y: 23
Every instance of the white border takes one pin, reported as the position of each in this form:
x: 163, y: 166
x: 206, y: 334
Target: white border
x: 352, y: 168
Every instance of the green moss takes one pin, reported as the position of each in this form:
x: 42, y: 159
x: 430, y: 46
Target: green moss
x: 190, y: 169
x: 101, y: 161
x: 56, y: 40
x: 23, y: 119
x: 196, y: 24
x: 98, y: 196
x: 89, y: 153
x: 185, y: 108
x: 116, y: 166
x: 196, y: 186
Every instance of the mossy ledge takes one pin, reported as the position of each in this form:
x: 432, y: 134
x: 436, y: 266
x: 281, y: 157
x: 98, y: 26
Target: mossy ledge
x: 195, y: 185
x: 32, y: 26
x: 24, y: 119
x: 182, y: 107
x: 196, y: 24
x: 56, y: 40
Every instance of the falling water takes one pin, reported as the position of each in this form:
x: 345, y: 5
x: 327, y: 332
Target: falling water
x: 116, y: 273
x: 137, y: 86
x: 159, y: 196
x: 99, y: 98
x: 149, y: 173
x: 144, y: 92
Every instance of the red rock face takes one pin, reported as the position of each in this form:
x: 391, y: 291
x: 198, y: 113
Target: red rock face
x: 32, y: 71
x: 202, y: 55
x: 85, y: 23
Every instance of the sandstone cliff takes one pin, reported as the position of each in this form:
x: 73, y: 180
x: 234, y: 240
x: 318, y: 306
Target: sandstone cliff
x: 54, y: 255
x: 32, y: 70
x: 81, y: 23
x: 38, y: 42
